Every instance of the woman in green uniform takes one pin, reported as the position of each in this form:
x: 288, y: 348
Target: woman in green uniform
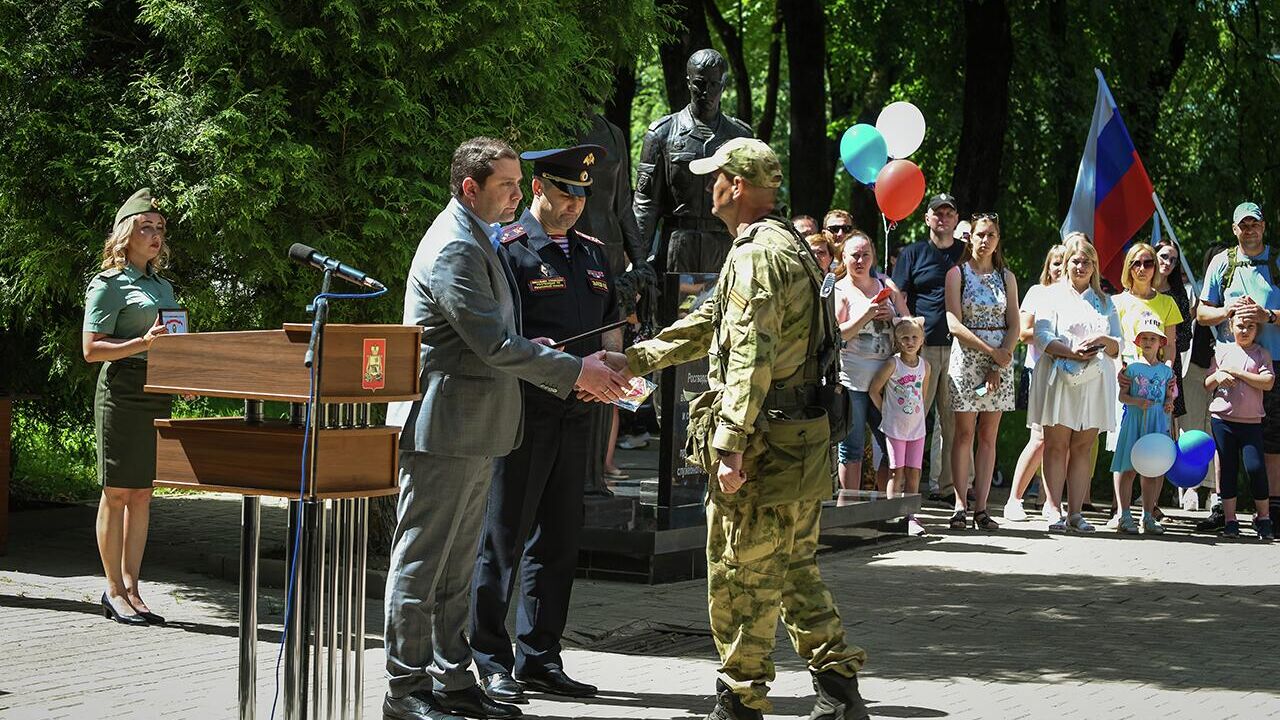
x: 121, y: 318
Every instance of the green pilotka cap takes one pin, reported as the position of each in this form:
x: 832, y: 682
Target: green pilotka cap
x: 138, y: 203
x: 751, y: 159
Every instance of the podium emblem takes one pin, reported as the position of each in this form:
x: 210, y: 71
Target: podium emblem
x: 373, y: 376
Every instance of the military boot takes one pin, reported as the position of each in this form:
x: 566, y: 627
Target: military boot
x: 729, y: 707
x: 838, y: 698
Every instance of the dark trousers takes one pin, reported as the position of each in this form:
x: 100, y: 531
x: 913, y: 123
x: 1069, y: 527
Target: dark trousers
x: 533, y: 522
x: 1237, y: 441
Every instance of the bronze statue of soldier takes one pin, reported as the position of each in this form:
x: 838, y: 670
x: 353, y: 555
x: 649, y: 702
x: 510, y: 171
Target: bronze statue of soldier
x: 672, y: 205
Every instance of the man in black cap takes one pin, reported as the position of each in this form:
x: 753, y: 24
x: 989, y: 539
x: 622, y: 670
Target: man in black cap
x: 534, y: 512
x: 921, y: 272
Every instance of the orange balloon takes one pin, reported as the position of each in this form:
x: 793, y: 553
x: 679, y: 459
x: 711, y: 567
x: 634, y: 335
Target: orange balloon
x: 899, y: 189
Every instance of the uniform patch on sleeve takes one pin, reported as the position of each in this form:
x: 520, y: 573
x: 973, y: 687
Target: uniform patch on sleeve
x: 737, y: 299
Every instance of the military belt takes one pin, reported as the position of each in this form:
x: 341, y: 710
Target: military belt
x: 791, y: 397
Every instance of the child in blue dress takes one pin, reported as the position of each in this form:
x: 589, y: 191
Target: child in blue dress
x: 1147, y: 408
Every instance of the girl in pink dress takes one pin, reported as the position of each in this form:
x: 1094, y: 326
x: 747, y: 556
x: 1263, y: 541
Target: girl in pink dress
x: 898, y: 390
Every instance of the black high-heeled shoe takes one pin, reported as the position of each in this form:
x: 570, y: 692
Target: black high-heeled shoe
x: 109, y: 612
x: 151, y: 618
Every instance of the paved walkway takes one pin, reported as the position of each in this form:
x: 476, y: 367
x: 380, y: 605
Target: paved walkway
x: 1018, y: 624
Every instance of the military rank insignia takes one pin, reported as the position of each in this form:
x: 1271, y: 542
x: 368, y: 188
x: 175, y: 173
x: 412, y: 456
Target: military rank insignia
x: 373, y: 376
x: 597, y: 280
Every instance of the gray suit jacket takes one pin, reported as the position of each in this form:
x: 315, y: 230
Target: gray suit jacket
x: 473, y: 356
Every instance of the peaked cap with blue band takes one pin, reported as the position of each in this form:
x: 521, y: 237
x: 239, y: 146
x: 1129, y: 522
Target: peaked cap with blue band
x: 567, y: 168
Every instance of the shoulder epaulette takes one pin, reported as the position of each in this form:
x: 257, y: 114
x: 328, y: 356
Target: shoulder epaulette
x: 513, y: 232
x: 659, y: 122
x: 741, y: 124
x: 588, y: 238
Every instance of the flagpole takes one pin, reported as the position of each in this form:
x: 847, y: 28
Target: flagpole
x: 1106, y: 89
x: 1186, y: 267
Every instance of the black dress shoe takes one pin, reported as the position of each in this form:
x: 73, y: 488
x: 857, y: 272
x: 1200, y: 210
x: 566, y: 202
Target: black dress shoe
x: 415, y: 706
x: 473, y: 703
x: 151, y: 618
x: 109, y: 612
x: 556, y: 682
x: 502, y: 687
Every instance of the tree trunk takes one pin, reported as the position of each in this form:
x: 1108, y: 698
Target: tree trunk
x: 812, y: 162
x: 382, y: 524
x: 674, y: 53
x: 618, y: 108
x: 737, y: 60
x: 988, y: 60
x: 1142, y: 109
x: 1065, y: 157
x: 771, y: 79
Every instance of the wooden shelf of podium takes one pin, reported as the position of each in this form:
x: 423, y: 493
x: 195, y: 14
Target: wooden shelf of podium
x: 229, y: 455
x: 267, y: 364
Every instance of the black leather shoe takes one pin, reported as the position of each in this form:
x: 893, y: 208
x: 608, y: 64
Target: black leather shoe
x: 473, y: 703
x: 415, y: 706
x: 556, y: 682
x: 109, y: 612
x: 502, y: 687
x: 152, y: 618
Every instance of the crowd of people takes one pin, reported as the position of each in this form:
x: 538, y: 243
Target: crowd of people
x: 932, y: 344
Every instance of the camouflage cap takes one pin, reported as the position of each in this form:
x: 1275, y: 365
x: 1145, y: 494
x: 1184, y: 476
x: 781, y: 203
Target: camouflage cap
x: 751, y: 159
x: 138, y: 203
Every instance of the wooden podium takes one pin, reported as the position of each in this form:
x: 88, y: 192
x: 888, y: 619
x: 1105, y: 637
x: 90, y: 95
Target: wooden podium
x: 327, y: 459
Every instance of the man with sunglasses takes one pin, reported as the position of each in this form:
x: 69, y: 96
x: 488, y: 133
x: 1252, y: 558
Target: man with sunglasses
x: 921, y: 272
x: 840, y: 224
x: 672, y: 205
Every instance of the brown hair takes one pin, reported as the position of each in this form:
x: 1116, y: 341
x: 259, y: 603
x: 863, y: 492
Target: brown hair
x: 1058, y: 251
x: 474, y: 159
x: 997, y: 257
x: 115, y: 251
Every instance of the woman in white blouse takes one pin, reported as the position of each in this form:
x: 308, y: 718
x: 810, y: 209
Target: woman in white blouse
x: 1078, y: 334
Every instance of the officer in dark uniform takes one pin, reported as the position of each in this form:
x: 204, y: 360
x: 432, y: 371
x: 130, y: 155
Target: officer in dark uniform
x: 535, y: 509
x: 690, y: 239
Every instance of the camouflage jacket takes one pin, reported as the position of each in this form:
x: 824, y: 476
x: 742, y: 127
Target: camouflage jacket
x: 766, y: 293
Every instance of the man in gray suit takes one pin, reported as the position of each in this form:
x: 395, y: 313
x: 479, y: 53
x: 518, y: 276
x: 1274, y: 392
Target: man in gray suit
x: 473, y: 357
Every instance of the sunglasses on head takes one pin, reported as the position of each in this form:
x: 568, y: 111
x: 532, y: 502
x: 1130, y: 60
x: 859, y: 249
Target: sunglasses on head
x: 985, y: 216
x: 833, y: 229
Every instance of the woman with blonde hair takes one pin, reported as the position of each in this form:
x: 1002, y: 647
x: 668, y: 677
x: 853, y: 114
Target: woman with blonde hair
x: 121, y: 319
x: 1029, y: 460
x: 1078, y: 335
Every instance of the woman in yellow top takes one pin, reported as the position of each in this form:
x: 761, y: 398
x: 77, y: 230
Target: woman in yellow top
x: 1139, y: 300
x: 121, y: 318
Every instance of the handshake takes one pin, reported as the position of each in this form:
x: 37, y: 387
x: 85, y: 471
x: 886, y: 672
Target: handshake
x: 604, y: 377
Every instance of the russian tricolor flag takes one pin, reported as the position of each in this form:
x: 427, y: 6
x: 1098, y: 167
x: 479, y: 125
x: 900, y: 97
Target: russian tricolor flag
x: 1113, y: 197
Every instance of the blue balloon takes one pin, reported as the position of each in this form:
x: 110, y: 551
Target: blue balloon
x: 863, y: 152
x: 1187, y: 475
x: 1196, y: 448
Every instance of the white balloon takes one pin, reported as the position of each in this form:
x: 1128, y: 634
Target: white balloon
x: 902, y: 126
x: 1153, y: 455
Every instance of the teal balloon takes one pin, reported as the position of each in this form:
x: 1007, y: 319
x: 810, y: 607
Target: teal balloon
x: 1196, y: 448
x: 863, y: 152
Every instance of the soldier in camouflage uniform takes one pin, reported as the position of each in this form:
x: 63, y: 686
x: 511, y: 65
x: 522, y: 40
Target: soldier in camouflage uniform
x: 769, y: 474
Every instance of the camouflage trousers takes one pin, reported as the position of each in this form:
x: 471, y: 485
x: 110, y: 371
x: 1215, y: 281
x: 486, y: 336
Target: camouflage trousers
x: 760, y: 563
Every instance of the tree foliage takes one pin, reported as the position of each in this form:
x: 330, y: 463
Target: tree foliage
x: 262, y: 123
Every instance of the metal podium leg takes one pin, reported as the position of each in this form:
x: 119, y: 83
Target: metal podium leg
x: 318, y: 582
x: 344, y: 603
x: 293, y: 623
x: 250, y: 528
x: 362, y: 556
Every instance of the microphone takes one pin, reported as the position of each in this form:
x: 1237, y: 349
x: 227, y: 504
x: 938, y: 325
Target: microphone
x: 304, y: 255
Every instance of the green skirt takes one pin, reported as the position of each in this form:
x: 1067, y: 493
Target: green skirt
x: 124, y: 424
